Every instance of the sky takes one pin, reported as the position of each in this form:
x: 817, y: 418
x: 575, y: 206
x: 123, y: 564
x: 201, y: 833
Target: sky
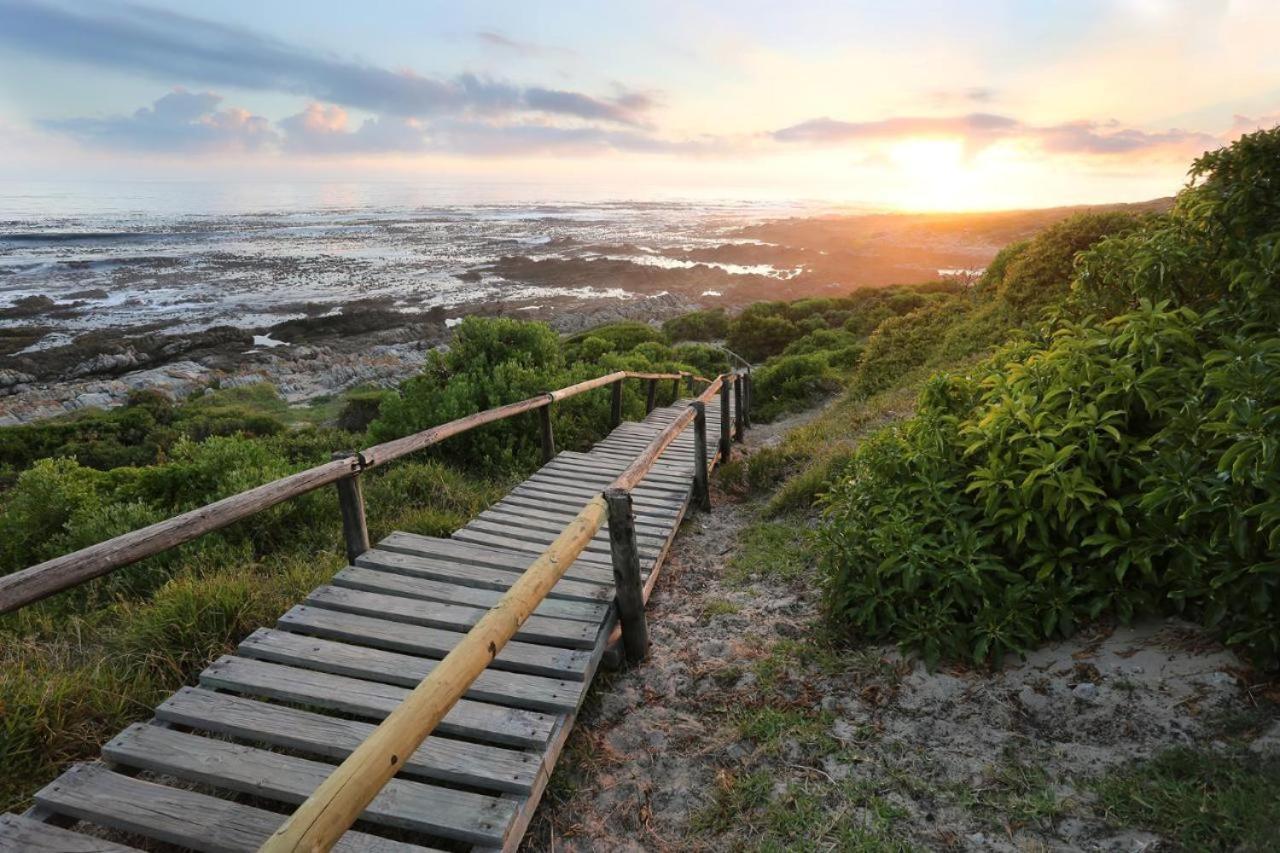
x: 907, y: 105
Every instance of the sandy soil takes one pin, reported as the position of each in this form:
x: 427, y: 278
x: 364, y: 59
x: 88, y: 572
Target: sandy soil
x: 862, y: 744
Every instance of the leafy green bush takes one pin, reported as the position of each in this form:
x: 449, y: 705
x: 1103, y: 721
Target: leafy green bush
x: 755, y: 334
x: 1039, y: 271
x: 1121, y: 467
x: 710, y: 325
x: 792, y: 383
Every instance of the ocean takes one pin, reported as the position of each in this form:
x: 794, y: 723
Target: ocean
x: 187, y: 255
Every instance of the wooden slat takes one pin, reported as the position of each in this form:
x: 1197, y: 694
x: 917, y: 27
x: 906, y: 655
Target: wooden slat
x: 484, y: 537
x: 373, y: 580
x: 24, y: 835
x: 480, y: 577
x: 497, y: 540
x: 477, y: 720
x: 521, y: 531
x: 517, y: 690
x: 563, y: 490
x: 402, y: 804
x: 433, y: 614
x: 480, y: 555
x: 461, y: 762
x: 527, y: 532
x: 661, y: 521
x: 196, y: 821
x: 543, y: 520
x: 432, y: 642
x: 655, y: 526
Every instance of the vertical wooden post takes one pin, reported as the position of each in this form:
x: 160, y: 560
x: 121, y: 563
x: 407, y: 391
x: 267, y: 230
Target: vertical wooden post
x: 615, y: 416
x: 627, y: 584
x: 739, y: 413
x: 701, y: 490
x: 675, y: 389
x: 651, y: 396
x: 548, y: 435
x: 355, y: 532
x: 688, y: 378
x: 746, y: 399
x: 726, y: 444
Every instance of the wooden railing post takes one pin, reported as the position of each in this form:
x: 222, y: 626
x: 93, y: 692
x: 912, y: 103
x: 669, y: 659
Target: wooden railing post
x: 726, y: 444
x: 355, y: 532
x: 628, y: 587
x: 651, y: 396
x: 615, y: 416
x: 739, y: 413
x: 688, y: 378
x: 675, y: 389
x: 746, y: 408
x: 548, y: 434
x: 701, y: 490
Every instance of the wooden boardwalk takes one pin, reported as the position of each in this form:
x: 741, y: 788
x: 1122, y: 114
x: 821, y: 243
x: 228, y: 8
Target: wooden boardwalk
x: 224, y: 762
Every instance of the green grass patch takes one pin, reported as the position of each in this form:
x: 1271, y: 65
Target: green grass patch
x: 1198, y: 800
x: 772, y: 551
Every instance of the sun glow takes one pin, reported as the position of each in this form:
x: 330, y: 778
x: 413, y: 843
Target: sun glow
x: 935, y: 174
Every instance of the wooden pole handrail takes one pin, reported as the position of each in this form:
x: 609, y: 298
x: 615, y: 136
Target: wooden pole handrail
x: 34, y: 583
x: 333, y: 807
x: 322, y: 819
x: 44, y: 579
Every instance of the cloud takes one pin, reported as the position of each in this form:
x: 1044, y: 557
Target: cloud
x: 172, y: 46
x: 179, y: 121
x: 969, y: 94
x: 327, y: 130
x: 979, y: 130
x: 493, y: 38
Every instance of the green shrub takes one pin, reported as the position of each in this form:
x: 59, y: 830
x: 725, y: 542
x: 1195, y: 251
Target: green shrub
x: 1122, y: 467
x: 710, y: 325
x: 1040, y: 271
x: 360, y: 408
x: 791, y: 383
x: 756, y: 335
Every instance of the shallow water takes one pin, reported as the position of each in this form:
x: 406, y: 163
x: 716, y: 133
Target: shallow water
x: 191, y: 255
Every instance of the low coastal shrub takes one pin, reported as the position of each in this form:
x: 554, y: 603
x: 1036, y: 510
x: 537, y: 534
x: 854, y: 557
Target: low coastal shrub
x: 1118, y: 467
x: 792, y: 383
x: 709, y: 325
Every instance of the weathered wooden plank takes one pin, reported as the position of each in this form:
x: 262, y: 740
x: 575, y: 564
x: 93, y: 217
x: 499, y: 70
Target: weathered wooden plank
x: 549, y: 521
x: 196, y: 821
x: 457, y: 761
x: 538, y: 533
x: 535, y: 692
x: 653, y: 503
x: 497, y: 540
x: 654, y: 527
x: 481, y: 555
x: 471, y: 719
x: 24, y: 835
x: 403, y: 804
x: 373, y: 580
x: 672, y: 494
x: 433, y: 642
x: 480, y: 577
x: 484, y: 537
x: 668, y: 473
x: 519, y: 531
x: 552, y: 503
x: 433, y: 614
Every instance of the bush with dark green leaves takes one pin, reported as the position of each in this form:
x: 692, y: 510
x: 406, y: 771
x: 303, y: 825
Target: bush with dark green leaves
x: 1101, y: 467
x: 792, y: 383
x: 709, y: 325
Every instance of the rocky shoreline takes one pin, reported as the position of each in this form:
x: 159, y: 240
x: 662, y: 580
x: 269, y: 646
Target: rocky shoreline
x: 306, y: 359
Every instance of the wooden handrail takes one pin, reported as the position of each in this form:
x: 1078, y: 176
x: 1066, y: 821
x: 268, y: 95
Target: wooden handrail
x: 27, y: 586
x: 331, y: 809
